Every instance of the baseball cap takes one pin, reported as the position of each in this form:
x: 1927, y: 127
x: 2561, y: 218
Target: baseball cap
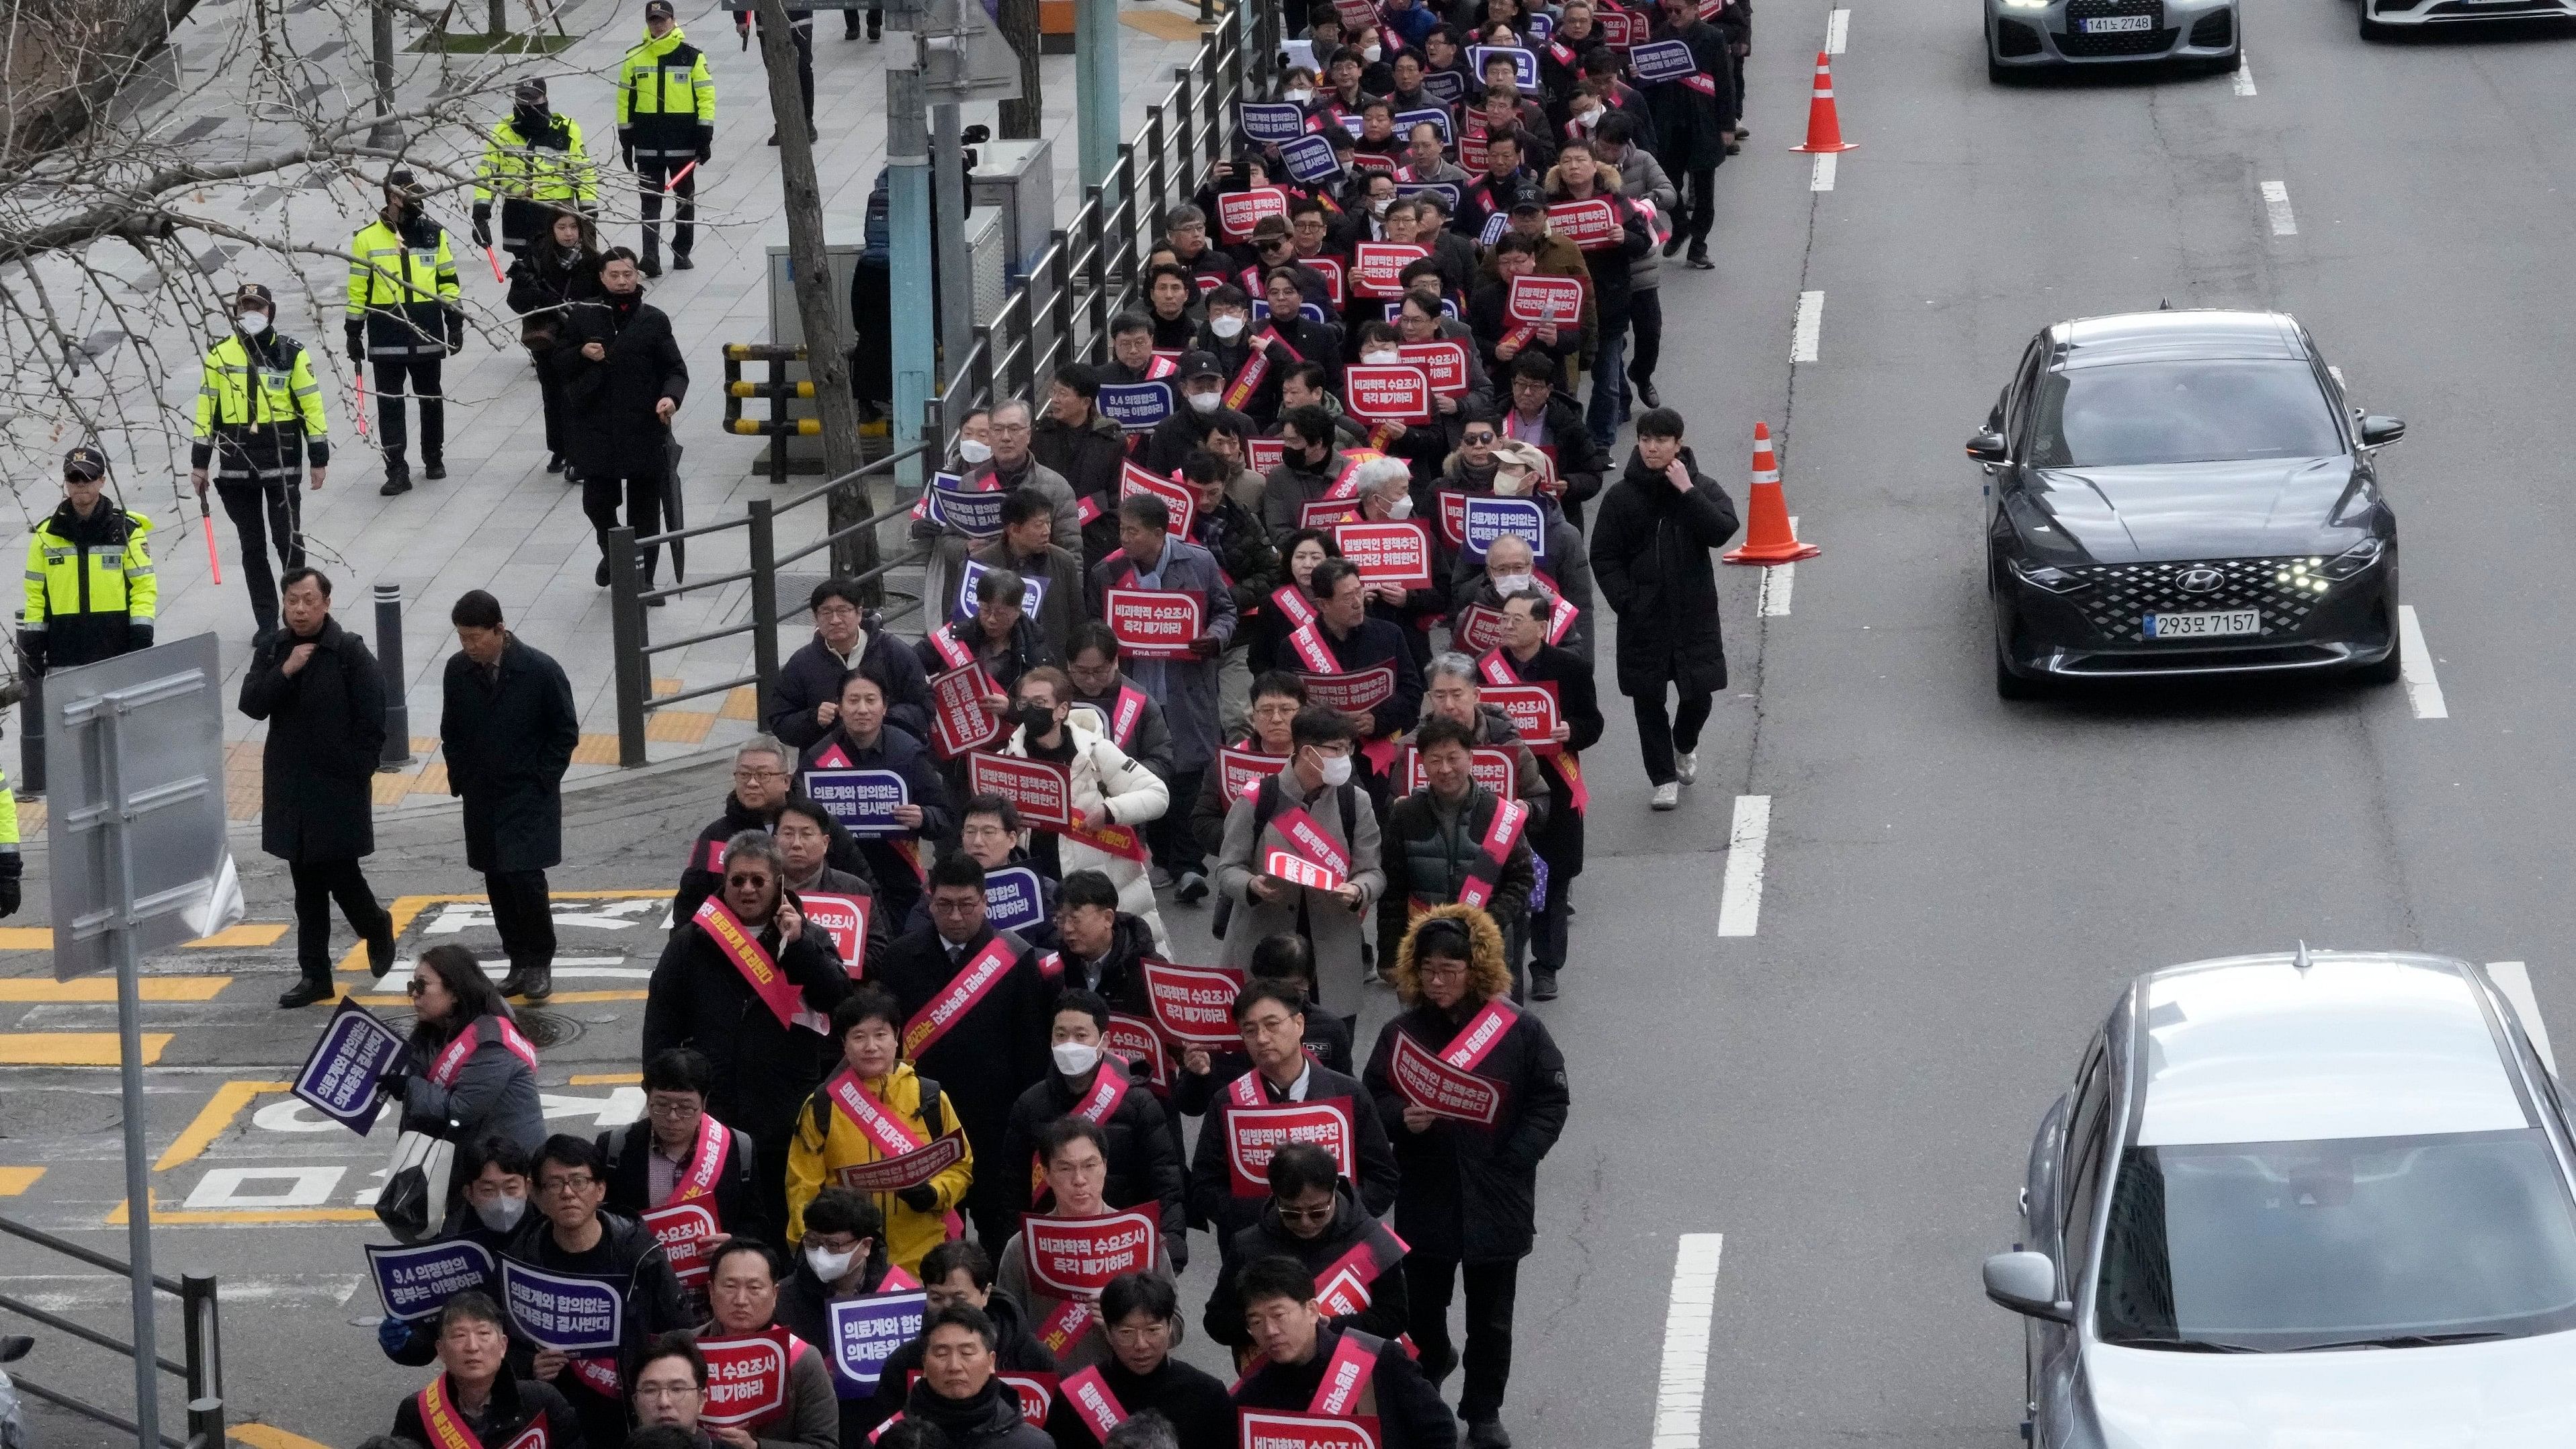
x: 532, y: 90
x: 658, y: 10
x: 253, y: 292
x: 1527, y: 205
x: 1199, y: 364
x: 84, y: 462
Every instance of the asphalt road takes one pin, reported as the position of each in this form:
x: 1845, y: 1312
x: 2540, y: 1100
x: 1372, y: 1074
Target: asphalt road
x: 1952, y: 889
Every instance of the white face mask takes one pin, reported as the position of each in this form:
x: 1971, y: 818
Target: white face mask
x: 1588, y: 119
x: 972, y: 451
x: 501, y: 1213
x: 1378, y: 205
x: 829, y: 1266
x: 1300, y: 97
x: 252, y: 323
x: 1509, y: 584
x: 1337, y: 770
x: 1226, y: 324
x: 1204, y: 402
x: 1073, y: 1058
x: 1372, y: 52
x: 1402, y: 507
x: 1379, y: 359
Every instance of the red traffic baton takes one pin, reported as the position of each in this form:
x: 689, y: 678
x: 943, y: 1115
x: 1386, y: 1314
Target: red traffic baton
x: 206, y: 526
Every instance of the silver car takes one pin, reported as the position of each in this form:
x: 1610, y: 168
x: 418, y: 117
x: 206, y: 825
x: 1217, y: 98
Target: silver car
x: 2027, y: 35
x: 2312, y: 1199
x: 2382, y: 19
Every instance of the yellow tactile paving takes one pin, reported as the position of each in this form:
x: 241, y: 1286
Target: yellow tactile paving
x: 20, y: 990
x: 14, y: 1181
x: 678, y: 726
x: 595, y: 750
x: 742, y: 703
x: 248, y: 933
x: 432, y: 780
x: 72, y: 1048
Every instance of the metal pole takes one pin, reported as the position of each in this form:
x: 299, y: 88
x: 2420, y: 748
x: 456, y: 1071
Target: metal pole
x: 626, y: 634
x: 129, y: 1032
x: 764, y: 605
x: 389, y: 656
x: 956, y: 273
x: 1095, y: 85
x: 205, y: 1359
x: 915, y: 345
x: 31, y: 738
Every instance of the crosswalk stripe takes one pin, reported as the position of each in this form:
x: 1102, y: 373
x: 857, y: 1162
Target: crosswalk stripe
x: 36, y: 989
x: 73, y: 1048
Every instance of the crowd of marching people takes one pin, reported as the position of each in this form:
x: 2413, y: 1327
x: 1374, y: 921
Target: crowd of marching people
x: 1287, y: 614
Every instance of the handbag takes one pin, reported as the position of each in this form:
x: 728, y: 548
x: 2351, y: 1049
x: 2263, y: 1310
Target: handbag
x: 413, y: 1205
x: 538, y: 331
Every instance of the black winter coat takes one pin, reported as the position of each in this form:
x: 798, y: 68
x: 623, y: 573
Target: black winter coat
x: 703, y: 871
x: 1580, y: 462
x: 1650, y: 560
x: 1092, y: 459
x: 763, y: 1070
x: 629, y: 1151
x: 507, y: 746
x: 614, y: 431
x: 1609, y: 265
x: 1193, y: 1399
x: 1690, y: 124
x: 1019, y: 1353
x: 1212, y: 1199
x: 1409, y: 1412
x: 897, y: 883
x: 1559, y: 837
x: 1470, y: 1193
x: 1426, y: 861
x: 326, y: 731
x: 812, y: 675
x: 515, y: 1404
x: 989, y: 1420
x: 1386, y: 1316
x: 1144, y: 1153
x: 626, y: 1255
x: 989, y: 1057
x: 1005, y: 660
x: 804, y: 1309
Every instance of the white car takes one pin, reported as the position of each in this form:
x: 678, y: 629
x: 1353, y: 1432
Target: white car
x: 2029, y: 35
x: 2306, y: 1199
x: 2382, y: 19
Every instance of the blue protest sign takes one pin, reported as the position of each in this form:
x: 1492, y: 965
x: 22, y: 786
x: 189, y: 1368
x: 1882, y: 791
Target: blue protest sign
x: 416, y: 1282
x: 1310, y: 159
x: 340, y: 1075
x: 1032, y: 599
x: 865, y: 1332
x: 1495, y: 226
x: 1013, y: 899
x: 1524, y: 64
x: 862, y: 800
x: 974, y: 513
x: 1432, y: 116
x: 1665, y: 60
x: 1273, y: 123
x: 1491, y: 518
x: 1447, y: 191
x: 1447, y: 85
x: 1538, y: 26
x: 1137, y: 407
x: 561, y: 1311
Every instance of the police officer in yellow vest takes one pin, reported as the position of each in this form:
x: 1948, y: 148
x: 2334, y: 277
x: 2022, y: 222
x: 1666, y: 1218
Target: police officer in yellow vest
x: 535, y: 163
x: 259, y: 418
x: 90, y: 590
x: 405, y: 318
x: 666, y: 121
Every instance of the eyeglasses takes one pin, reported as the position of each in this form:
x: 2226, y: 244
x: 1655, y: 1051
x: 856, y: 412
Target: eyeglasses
x: 1134, y: 1337
x: 1442, y: 971
x: 571, y: 1182
x: 414, y: 987
x: 754, y: 777
x: 672, y: 1111
x: 666, y: 1391
x: 747, y: 880
x: 1008, y: 429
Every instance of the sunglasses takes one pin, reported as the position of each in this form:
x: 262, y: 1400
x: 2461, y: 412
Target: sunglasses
x: 747, y: 880
x: 1479, y: 437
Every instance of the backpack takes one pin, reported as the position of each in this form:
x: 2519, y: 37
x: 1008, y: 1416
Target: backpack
x: 934, y: 1109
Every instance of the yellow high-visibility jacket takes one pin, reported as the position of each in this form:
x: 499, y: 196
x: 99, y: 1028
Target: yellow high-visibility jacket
x: 403, y: 291
x: 259, y: 408
x: 666, y: 101
x: 89, y: 585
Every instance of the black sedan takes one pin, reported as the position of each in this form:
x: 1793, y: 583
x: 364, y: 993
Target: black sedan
x: 2184, y: 492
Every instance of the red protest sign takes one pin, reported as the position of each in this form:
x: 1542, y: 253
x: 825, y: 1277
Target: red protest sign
x: 1263, y: 454
x: 1471, y: 149
x: 1445, y: 363
x: 1355, y: 13
x: 1036, y: 1393
x: 1377, y: 268
x: 1327, y: 512
x: 1240, y: 770
x: 1179, y: 498
x: 1616, y: 27
x: 1076, y: 1257
x: 1134, y: 1038
x: 1351, y: 693
x: 1237, y: 211
x: 1536, y: 299
x: 1297, y: 870
x: 1397, y: 552
x: 1453, y: 515
x: 1590, y: 225
x: 894, y: 1174
x: 1330, y: 269
x: 1439, y: 1088
x: 1533, y: 711
x: 1254, y: 1135
x: 687, y: 1232
x: 1492, y: 769
x: 958, y: 722
x: 1153, y: 623
x: 845, y: 919
x: 1193, y: 1005
x: 1479, y: 629
x: 1385, y: 393
x: 1041, y: 790
x: 1263, y: 1429
x: 746, y: 1380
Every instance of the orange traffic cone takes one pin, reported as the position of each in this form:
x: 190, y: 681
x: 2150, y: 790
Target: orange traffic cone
x: 1824, y: 128
x: 1770, y: 540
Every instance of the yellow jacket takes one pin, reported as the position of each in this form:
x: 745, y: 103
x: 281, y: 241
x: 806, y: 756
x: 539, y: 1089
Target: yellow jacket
x: 816, y: 1157
x: 518, y: 170
x: 89, y: 583
x: 269, y: 400
x: 666, y: 101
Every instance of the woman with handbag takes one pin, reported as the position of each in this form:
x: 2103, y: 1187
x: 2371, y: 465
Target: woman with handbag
x: 467, y: 1072
x: 559, y: 267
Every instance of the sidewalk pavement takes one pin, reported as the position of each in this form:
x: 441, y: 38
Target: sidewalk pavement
x: 499, y: 521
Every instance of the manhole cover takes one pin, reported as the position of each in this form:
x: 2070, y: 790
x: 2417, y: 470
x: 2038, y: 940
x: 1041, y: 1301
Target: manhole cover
x: 547, y: 1028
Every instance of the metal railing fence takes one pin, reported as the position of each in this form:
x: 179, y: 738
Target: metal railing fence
x: 201, y: 1371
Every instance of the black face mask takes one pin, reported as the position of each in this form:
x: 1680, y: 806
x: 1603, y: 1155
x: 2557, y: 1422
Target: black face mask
x: 1037, y: 719
x: 529, y: 120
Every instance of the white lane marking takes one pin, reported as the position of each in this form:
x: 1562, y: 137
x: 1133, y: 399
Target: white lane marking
x: 614, y: 967
x: 1810, y: 332
x: 1837, y: 31
x: 2514, y: 980
x: 88, y: 1290
x: 2276, y: 204
x: 1777, y: 581
x: 1739, y: 900
x: 1823, y: 177
x: 1684, y: 1377
x: 2244, y: 76
x: 2423, y: 691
